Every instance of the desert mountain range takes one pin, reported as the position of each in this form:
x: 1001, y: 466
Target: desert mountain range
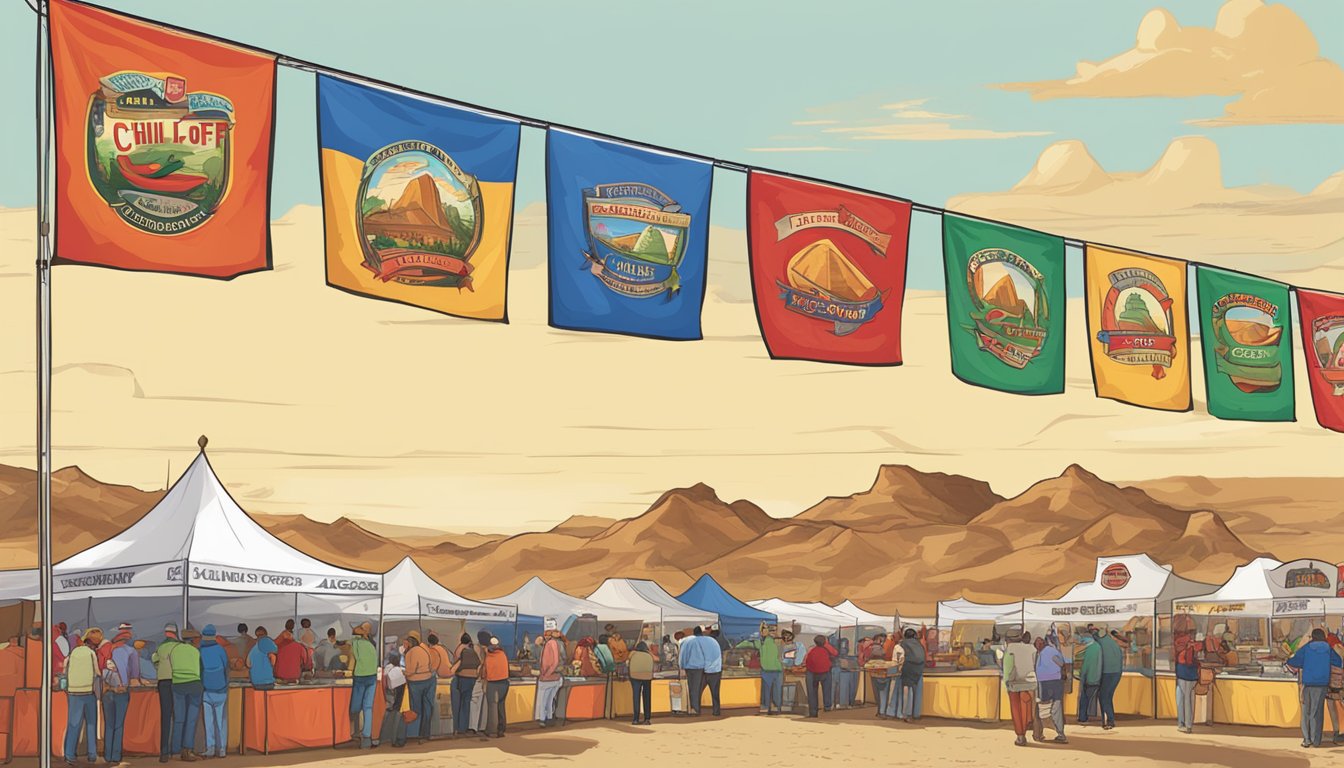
x: 909, y: 540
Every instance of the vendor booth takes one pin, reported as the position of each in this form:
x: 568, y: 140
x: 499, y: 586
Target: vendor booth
x: 1129, y: 596
x: 664, y: 615
x: 737, y: 620
x: 196, y: 558
x: 582, y: 696
x: 961, y: 624
x: 1246, y: 629
x: 962, y: 679
x: 806, y: 620
x: 412, y: 600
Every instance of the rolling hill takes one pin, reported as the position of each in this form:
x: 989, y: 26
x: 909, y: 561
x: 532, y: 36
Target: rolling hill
x: 910, y: 539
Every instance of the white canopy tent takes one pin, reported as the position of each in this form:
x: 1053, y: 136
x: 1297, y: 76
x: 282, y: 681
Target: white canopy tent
x: 867, y: 618
x: 17, y: 585
x: 1122, y: 588
x: 962, y: 609
x: 654, y: 605
x: 412, y: 599
x: 1132, y: 593
x: 810, y: 618
x: 410, y: 593
x: 198, y: 558
x: 1267, y: 588
x: 537, y: 598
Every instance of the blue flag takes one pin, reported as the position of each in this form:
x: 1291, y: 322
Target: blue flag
x: 628, y: 235
x: 417, y: 197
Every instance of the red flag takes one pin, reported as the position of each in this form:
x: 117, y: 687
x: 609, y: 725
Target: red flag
x: 163, y: 147
x: 827, y: 270
x: 1323, y: 342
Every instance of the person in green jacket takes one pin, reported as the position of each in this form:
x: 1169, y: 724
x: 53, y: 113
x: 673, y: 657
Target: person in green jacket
x: 188, y: 693
x: 1112, y: 665
x: 164, y: 669
x: 364, y: 676
x: 1089, y: 674
x: 772, y: 670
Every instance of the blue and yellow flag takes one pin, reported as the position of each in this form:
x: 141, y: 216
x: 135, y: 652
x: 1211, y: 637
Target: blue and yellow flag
x: 417, y: 197
x: 628, y: 232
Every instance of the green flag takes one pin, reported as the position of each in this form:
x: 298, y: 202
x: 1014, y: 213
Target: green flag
x: 1005, y: 306
x: 1245, y: 328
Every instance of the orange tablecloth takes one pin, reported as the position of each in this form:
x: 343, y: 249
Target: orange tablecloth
x: 298, y: 718
x: 586, y: 701
x: 26, y: 704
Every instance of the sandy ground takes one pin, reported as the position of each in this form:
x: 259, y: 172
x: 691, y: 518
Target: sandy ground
x: 852, y: 738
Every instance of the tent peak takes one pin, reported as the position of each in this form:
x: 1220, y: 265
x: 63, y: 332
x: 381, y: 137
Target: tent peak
x: 202, y: 441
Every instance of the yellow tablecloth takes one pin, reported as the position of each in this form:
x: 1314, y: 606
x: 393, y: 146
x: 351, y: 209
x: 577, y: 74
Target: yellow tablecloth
x: 964, y: 696
x: 1256, y: 702
x: 1134, y: 696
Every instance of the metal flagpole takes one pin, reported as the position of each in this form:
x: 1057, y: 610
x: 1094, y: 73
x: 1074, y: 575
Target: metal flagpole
x: 43, y: 271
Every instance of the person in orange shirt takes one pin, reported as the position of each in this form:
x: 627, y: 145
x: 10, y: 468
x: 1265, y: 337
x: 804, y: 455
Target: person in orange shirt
x: 620, y: 652
x: 496, y: 688
x: 420, y: 684
x: 12, y: 667
x: 442, y: 663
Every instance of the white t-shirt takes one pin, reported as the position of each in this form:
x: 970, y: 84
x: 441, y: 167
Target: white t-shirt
x: 393, y: 677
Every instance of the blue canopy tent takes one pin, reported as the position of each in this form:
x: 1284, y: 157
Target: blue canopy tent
x: 737, y: 620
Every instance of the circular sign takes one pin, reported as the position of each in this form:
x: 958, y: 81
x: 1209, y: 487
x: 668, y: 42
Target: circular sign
x: 1115, y: 576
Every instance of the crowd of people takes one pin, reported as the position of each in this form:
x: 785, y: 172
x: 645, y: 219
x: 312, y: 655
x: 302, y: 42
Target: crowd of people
x: 192, y: 672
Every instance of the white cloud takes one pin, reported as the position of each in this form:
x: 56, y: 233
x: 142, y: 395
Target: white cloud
x: 1264, y: 54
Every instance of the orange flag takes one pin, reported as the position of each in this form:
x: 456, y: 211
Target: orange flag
x: 163, y: 147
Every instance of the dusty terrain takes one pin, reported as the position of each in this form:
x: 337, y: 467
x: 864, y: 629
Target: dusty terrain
x: 740, y: 740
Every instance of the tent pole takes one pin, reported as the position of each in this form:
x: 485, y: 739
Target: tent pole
x: 43, y: 274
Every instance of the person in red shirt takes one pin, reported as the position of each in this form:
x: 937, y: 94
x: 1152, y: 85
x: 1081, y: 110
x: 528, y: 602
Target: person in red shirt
x: 289, y: 659
x: 818, y: 664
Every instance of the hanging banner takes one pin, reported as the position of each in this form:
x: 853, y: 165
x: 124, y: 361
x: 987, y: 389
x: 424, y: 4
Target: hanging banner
x: 1005, y: 305
x: 1247, y: 339
x: 628, y: 235
x: 1138, y: 328
x: 1322, y: 317
x: 827, y: 270
x: 163, y: 147
x: 417, y: 198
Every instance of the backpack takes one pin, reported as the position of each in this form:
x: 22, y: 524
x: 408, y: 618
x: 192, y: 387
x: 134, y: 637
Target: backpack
x: 1186, y: 656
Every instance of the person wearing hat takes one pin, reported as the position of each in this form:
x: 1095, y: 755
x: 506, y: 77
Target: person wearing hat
x: 188, y: 692
x: 364, y: 676
x: 419, y: 684
x: 1019, y: 677
x: 496, y: 668
x: 550, y: 674
x: 215, y: 680
x: 81, y: 684
x: 124, y: 664
x: 163, y: 666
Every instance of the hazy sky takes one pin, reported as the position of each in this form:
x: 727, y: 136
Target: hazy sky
x: 277, y: 368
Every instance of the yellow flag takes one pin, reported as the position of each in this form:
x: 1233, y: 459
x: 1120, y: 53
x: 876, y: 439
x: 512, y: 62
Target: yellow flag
x: 1138, y: 328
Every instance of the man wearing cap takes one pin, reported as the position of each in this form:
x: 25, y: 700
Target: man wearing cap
x: 163, y: 666
x: 549, y: 678
x: 188, y: 691
x: 364, y: 675
x: 772, y: 679
x: 215, y: 680
x: 496, y: 666
x: 82, y: 679
x: 1019, y: 677
x: 420, y: 683
x: 117, y: 697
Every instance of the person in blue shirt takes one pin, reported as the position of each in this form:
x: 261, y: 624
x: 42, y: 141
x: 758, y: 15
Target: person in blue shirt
x: 261, y: 662
x: 693, y: 661
x: 1313, y: 662
x: 713, y: 657
x: 215, y: 679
